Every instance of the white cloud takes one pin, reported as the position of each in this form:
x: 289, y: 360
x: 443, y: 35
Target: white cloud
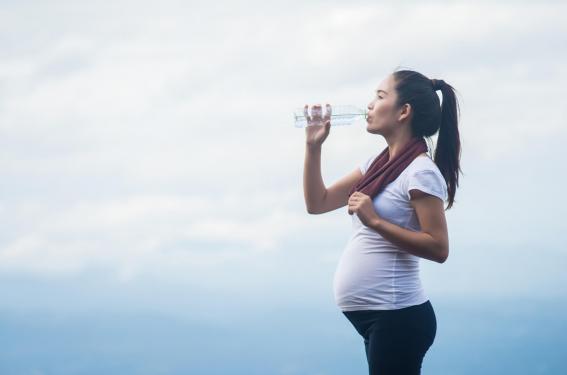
x: 133, y: 134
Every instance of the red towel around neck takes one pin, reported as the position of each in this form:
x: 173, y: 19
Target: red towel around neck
x: 382, y: 171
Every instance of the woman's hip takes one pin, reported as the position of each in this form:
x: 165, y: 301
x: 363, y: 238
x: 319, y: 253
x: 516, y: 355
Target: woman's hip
x: 414, y: 320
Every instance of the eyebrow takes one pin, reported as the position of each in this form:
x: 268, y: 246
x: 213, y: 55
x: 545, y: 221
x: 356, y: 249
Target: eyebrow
x: 377, y: 91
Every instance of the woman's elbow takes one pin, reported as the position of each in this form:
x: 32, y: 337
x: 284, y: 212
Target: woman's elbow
x: 444, y: 254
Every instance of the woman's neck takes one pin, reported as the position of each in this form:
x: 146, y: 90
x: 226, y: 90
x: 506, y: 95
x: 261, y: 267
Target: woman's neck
x: 396, y: 143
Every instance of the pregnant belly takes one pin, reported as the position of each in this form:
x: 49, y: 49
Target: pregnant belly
x: 379, y: 275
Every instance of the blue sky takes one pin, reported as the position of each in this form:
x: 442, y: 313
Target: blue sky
x: 149, y: 161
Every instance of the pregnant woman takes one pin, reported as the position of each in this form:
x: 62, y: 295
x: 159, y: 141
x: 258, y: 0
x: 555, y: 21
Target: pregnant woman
x: 396, y: 199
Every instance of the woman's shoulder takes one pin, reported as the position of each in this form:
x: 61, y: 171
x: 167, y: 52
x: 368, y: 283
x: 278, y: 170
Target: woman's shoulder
x: 423, y: 174
x: 423, y: 162
x: 365, y: 164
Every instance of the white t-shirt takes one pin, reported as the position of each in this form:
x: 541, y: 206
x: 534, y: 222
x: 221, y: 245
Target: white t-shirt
x: 373, y: 273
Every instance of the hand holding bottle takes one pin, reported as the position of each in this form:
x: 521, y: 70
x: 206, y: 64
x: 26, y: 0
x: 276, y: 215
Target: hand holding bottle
x: 318, y: 127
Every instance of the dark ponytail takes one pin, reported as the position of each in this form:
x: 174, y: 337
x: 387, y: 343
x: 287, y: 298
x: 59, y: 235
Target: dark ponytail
x: 429, y: 116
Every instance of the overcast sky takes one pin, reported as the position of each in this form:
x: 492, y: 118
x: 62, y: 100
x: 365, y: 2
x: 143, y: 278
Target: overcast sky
x: 148, y: 149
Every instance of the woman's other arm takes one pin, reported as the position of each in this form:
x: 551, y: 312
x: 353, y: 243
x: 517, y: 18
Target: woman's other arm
x: 432, y: 242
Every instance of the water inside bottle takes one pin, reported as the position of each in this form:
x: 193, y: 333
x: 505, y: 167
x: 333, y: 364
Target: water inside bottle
x: 340, y: 115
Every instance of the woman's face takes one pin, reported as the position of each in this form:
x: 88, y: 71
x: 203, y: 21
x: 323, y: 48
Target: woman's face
x: 383, y: 116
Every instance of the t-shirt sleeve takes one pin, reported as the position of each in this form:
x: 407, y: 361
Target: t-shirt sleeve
x: 429, y: 182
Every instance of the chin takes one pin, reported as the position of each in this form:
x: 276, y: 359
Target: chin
x: 372, y: 130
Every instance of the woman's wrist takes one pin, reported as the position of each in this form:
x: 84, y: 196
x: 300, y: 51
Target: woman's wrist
x: 376, y: 224
x: 313, y: 147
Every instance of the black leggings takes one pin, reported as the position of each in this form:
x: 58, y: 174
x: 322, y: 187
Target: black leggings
x: 395, y: 340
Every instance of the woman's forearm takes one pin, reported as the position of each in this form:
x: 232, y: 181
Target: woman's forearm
x: 420, y: 244
x: 313, y: 185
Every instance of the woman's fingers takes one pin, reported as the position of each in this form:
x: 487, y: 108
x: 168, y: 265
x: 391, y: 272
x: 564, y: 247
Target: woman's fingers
x: 306, y: 113
x: 316, y: 115
x: 316, y: 111
x: 328, y: 111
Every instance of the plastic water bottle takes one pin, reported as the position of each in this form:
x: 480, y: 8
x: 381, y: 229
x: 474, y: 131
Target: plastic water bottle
x: 340, y: 115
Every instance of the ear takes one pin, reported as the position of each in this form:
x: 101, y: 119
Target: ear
x: 405, y: 112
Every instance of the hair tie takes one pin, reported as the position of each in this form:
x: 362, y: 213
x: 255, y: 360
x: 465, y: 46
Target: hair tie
x: 437, y: 83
